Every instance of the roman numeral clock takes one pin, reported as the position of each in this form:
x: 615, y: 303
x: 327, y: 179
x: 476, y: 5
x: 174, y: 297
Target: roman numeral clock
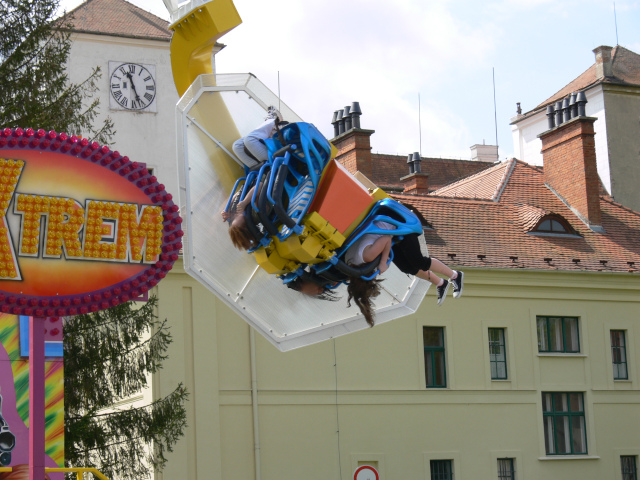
x: 132, y: 86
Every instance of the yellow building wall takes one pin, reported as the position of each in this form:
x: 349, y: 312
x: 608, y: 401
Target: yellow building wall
x: 325, y: 409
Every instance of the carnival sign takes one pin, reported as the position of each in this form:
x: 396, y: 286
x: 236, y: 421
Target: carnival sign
x: 82, y: 228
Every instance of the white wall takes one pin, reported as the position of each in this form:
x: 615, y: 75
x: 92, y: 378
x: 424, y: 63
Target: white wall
x: 143, y: 137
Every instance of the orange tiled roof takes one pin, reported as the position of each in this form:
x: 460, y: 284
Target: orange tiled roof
x: 626, y: 71
x: 494, y: 233
x: 117, y: 18
x: 388, y: 169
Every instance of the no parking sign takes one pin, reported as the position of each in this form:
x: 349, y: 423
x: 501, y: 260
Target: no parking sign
x: 366, y: 472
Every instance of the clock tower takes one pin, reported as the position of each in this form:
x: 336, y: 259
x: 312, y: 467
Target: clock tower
x: 136, y: 90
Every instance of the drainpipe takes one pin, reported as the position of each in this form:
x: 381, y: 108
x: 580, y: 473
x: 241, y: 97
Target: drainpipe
x: 254, y: 401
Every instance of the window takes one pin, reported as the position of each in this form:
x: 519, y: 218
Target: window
x: 434, y: 363
x: 628, y: 467
x: 441, y: 470
x: 497, y: 354
x: 564, y: 425
x: 505, y: 469
x: 558, y: 334
x: 619, y: 355
x: 553, y: 225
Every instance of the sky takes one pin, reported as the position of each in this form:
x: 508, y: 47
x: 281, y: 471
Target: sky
x: 386, y: 54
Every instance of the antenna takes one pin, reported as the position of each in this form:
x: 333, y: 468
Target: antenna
x: 419, y: 124
x: 278, y: 90
x: 615, y: 19
x: 495, y: 112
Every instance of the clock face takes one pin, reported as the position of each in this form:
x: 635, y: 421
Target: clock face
x: 133, y: 86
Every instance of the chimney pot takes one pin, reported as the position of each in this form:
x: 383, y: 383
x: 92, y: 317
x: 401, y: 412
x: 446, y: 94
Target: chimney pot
x: 340, y: 122
x: 581, y: 100
x: 416, y: 162
x: 551, y: 117
x: 347, y: 118
x: 566, y: 110
x: 559, y: 116
x: 334, y: 122
x: 355, y: 114
x: 410, y: 163
x: 573, y: 105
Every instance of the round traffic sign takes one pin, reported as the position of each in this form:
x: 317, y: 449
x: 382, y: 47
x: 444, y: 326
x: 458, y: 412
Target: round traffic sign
x: 366, y: 472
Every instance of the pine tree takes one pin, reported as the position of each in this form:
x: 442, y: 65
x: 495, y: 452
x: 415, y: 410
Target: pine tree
x: 34, y: 85
x: 108, y: 357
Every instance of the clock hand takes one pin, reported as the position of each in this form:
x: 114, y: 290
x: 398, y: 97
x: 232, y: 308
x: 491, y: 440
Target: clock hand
x: 133, y: 87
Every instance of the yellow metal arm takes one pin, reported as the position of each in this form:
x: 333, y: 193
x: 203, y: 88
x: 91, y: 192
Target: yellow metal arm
x: 194, y: 37
x: 80, y: 471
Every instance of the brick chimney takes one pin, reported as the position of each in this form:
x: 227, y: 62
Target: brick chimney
x: 569, y: 156
x: 354, y: 150
x: 416, y: 183
x: 604, y: 65
x: 353, y: 143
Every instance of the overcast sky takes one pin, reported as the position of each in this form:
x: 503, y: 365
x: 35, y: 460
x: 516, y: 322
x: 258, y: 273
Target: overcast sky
x: 383, y: 53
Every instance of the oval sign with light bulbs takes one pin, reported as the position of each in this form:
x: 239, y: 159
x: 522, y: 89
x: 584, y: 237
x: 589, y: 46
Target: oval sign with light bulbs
x: 82, y: 227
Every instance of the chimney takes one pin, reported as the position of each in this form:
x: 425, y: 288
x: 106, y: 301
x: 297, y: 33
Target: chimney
x: 569, y: 156
x: 354, y: 145
x: 416, y: 183
x: 604, y: 66
x: 484, y: 153
x: 347, y: 118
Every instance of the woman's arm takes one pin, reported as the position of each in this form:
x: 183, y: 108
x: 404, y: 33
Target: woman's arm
x: 382, y: 246
x: 247, y: 199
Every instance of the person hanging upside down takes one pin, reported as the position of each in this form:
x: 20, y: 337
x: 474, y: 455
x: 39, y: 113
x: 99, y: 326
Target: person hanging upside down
x: 407, y: 256
x: 238, y: 231
x: 251, y: 149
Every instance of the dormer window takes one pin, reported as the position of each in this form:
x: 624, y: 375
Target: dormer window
x: 553, y: 224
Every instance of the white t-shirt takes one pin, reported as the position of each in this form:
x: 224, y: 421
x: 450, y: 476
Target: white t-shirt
x: 353, y: 255
x: 264, y: 131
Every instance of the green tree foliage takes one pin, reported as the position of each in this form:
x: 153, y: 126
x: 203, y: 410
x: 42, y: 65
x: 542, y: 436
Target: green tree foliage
x: 34, y: 85
x: 108, y: 357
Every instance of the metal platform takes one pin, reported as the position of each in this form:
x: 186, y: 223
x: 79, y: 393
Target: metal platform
x: 214, y: 112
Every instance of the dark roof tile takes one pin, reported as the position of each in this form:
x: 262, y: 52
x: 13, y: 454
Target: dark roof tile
x: 388, y: 169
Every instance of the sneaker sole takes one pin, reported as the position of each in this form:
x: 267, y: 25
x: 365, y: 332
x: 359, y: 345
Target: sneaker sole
x: 457, y: 293
x: 444, y: 295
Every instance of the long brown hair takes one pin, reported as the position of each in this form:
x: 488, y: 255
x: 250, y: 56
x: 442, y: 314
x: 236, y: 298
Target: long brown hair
x: 241, y: 237
x: 362, y: 292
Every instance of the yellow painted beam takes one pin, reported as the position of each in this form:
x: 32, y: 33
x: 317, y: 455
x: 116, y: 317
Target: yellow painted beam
x: 194, y: 37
